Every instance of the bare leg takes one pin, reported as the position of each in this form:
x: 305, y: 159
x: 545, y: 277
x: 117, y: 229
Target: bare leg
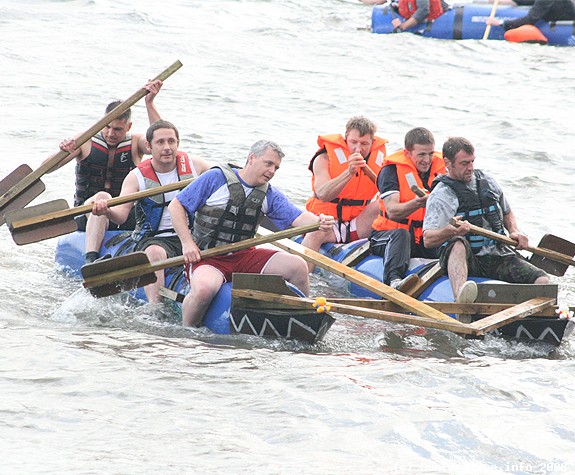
x: 542, y: 280
x: 291, y: 268
x: 96, y: 226
x: 315, y: 240
x: 155, y: 253
x: 457, y: 267
x: 206, y: 282
x: 365, y: 219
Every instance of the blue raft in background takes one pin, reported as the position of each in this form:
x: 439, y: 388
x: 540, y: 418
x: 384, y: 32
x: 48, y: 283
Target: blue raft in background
x: 467, y: 22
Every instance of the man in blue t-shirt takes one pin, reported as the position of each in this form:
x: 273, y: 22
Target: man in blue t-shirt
x: 225, y: 205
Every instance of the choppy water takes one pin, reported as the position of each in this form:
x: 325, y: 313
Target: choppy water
x: 98, y: 386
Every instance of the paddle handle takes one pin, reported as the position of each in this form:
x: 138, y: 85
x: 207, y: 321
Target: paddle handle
x: 77, y: 211
x: 27, y: 181
x: 135, y: 271
x: 370, y: 173
x: 492, y: 15
x: 418, y: 191
x: 553, y: 255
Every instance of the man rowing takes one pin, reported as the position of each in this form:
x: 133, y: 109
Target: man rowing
x: 477, y: 198
x: 227, y: 205
x: 154, y: 233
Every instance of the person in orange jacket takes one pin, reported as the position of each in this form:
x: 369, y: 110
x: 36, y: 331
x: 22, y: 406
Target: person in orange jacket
x: 344, y: 171
x: 398, y: 230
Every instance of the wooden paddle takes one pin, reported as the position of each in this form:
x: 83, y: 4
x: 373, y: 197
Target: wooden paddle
x: 112, y: 276
x: 547, y: 253
x: 55, y: 218
x: 492, y: 15
x: 23, y: 185
x: 352, y: 275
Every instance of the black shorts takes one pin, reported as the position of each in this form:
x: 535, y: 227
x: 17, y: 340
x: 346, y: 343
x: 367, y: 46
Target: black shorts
x: 171, y: 244
x: 128, y: 225
x: 512, y: 268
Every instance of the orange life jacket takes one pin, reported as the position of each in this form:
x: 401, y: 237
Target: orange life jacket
x: 404, y: 165
x: 360, y: 190
x: 407, y: 9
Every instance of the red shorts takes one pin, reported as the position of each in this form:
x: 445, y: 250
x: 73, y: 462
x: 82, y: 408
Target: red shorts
x: 250, y: 261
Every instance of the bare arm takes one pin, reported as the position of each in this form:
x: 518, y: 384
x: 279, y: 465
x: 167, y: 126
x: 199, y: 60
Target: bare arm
x: 200, y: 164
x: 179, y: 216
x: 153, y: 88
x: 436, y: 237
x: 118, y: 214
x: 69, y: 145
x: 397, y: 210
x: 328, y: 188
x: 511, y: 225
x: 326, y: 221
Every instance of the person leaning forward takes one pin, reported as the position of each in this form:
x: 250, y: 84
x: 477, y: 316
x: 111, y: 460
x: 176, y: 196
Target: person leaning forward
x: 102, y: 163
x: 398, y: 230
x: 154, y: 233
x: 227, y: 205
x: 477, y: 198
x: 542, y: 10
x: 340, y: 185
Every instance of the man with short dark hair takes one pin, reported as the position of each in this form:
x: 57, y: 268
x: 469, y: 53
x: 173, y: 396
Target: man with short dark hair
x: 154, y: 233
x: 397, y: 232
x: 102, y: 164
x: 477, y: 199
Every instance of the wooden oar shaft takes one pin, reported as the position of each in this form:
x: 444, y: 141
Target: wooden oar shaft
x: 77, y: 211
x: 352, y: 275
x: 370, y: 174
x: 135, y: 271
x: 553, y: 255
x: 492, y: 15
x: 26, y: 182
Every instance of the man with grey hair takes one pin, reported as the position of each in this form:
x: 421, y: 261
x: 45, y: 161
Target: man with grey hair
x: 227, y: 205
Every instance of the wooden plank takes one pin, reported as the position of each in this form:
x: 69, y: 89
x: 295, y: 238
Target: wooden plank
x: 405, y: 301
x: 503, y: 292
x: 272, y: 283
x: 509, y: 315
x: 355, y: 256
x: 300, y: 302
x: 426, y: 280
x: 445, y: 307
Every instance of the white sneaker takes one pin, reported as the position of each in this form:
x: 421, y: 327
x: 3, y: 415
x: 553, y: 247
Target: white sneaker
x: 467, y: 293
x: 404, y: 284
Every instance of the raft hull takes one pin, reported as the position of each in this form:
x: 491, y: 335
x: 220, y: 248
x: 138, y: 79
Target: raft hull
x: 306, y: 326
x: 467, y: 22
x: 548, y: 329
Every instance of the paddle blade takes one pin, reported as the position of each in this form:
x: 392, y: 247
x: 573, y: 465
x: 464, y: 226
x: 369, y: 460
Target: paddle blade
x: 557, y: 244
x: 24, y: 197
x: 40, y: 229
x: 109, y: 277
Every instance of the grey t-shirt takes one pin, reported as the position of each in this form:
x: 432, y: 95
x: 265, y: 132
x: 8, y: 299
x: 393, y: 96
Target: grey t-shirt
x: 442, y: 205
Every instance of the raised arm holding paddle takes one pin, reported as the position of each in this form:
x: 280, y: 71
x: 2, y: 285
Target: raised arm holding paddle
x: 23, y: 185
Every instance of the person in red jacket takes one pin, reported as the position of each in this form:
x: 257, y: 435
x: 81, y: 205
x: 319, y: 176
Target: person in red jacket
x: 398, y: 230
x: 344, y: 171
